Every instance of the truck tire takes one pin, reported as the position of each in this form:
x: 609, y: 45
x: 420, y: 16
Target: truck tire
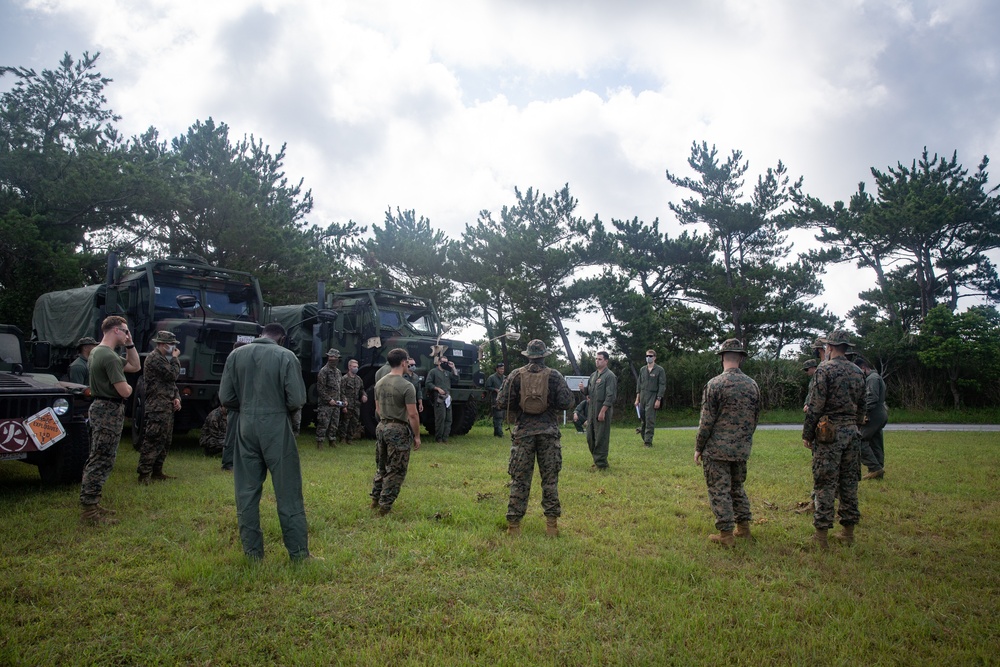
x: 138, y: 413
x: 463, y: 416
x: 63, y: 464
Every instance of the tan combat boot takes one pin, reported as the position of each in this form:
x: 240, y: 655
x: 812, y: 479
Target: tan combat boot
x: 845, y: 536
x: 876, y: 474
x: 819, y: 539
x: 92, y: 515
x: 743, y: 530
x: 514, y: 528
x: 160, y: 476
x: 724, y: 538
x: 319, y: 444
x: 374, y: 503
x: 551, y: 526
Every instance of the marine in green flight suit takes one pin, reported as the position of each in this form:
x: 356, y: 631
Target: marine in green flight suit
x: 602, y: 391
x: 261, y: 386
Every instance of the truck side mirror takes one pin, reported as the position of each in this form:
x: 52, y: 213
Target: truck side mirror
x: 41, y: 355
x: 325, y: 315
x: 187, y: 300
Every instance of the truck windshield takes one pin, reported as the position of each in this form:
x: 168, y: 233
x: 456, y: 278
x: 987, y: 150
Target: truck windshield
x: 419, y: 323
x: 229, y: 305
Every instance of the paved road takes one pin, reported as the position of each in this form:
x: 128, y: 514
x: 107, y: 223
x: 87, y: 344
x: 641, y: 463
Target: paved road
x: 889, y: 427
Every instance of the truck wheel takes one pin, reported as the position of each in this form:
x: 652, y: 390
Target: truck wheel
x: 63, y: 463
x: 463, y: 416
x: 138, y: 414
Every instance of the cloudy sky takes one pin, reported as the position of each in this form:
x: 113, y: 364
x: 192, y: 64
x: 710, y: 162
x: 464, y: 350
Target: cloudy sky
x: 445, y: 107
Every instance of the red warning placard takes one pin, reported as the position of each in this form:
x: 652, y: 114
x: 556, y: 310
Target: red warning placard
x: 44, y: 428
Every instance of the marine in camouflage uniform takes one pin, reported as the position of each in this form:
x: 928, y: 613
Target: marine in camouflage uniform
x: 159, y: 373
x: 110, y: 389
x: 535, y: 437
x: 493, y: 385
x: 730, y: 408
x: 649, y: 395
x: 838, y: 393
x: 329, y: 401
x: 397, y: 432
x: 213, y: 432
x: 352, y: 391
x: 602, y: 390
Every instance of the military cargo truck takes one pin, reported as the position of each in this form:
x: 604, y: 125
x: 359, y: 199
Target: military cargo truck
x: 364, y: 324
x: 209, y: 309
x: 42, y: 421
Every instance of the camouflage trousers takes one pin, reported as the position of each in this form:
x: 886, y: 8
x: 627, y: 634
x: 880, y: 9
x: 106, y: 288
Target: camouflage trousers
x: 327, y: 422
x: 350, y: 423
x: 392, y: 459
x: 106, y: 421
x: 835, y: 471
x: 726, y: 494
x: 155, y: 440
x: 524, y: 450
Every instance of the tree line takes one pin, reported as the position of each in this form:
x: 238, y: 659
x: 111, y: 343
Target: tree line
x: 72, y: 187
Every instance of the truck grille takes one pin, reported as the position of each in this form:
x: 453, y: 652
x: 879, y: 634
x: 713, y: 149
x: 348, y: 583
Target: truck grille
x: 19, y: 407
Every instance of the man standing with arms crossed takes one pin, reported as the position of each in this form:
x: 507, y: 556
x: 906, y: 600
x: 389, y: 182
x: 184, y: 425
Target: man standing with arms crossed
x: 493, y: 385
x: 838, y: 394
x: 162, y: 400
x: 261, y: 388
x: 649, y: 395
x: 535, y: 394
x: 398, y: 430
x: 110, y: 389
x: 602, y: 390
x: 730, y: 408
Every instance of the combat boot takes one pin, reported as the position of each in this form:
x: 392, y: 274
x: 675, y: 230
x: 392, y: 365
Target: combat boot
x: 333, y: 444
x: 845, y: 536
x: 514, y: 528
x: 743, y: 530
x: 382, y: 511
x: 319, y: 444
x: 875, y: 474
x: 91, y: 515
x: 160, y: 476
x: 374, y: 503
x: 551, y: 526
x: 819, y: 539
x: 144, y: 479
x: 724, y: 538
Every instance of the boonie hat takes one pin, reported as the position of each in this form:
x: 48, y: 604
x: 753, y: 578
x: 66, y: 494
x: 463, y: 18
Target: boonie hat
x: 536, y: 349
x: 818, y: 343
x: 86, y: 340
x: 332, y: 352
x: 838, y: 337
x: 732, y: 345
x: 812, y: 363
x: 166, y: 337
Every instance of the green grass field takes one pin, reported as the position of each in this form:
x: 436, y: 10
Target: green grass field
x: 631, y: 581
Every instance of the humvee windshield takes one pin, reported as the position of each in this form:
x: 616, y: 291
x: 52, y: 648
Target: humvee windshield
x: 10, y: 349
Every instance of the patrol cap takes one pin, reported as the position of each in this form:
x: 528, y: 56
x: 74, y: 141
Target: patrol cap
x: 812, y: 363
x: 732, y: 345
x: 166, y: 337
x: 86, y: 340
x: 536, y: 350
x: 500, y: 365
x: 333, y: 352
x: 838, y: 337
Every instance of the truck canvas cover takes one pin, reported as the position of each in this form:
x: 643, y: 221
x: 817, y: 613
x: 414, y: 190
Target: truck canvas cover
x: 63, y: 318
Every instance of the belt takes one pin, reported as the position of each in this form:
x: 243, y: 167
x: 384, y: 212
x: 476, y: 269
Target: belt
x: 119, y: 400
x: 394, y: 421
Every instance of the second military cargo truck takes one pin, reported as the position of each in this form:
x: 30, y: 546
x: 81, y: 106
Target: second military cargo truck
x: 209, y: 309
x: 364, y: 324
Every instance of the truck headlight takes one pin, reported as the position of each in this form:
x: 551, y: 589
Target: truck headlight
x: 60, y: 406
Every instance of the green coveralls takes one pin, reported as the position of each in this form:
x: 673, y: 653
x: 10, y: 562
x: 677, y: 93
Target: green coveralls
x: 602, y: 390
x: 261, y: 386
x: 652, y: 384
